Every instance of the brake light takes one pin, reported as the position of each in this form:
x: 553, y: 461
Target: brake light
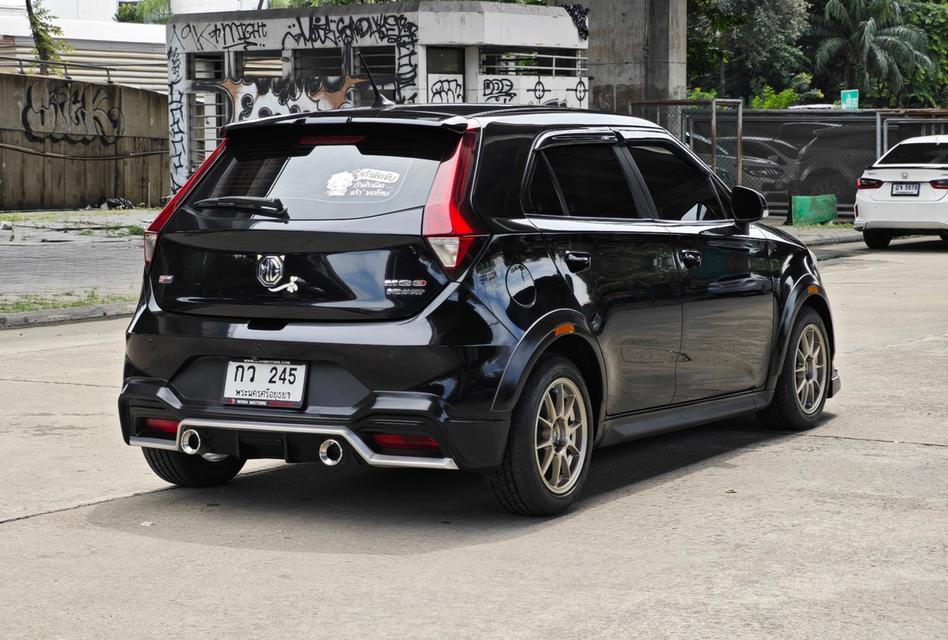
x: 868, y: 183
x: 318, y: 140
x: 939, y: 184
x: 151, y: 233
x: 162, y: 425
x: 447, y: 221
x: 396, y: 441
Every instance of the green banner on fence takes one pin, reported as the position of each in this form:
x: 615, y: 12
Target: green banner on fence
x: 814, y: 209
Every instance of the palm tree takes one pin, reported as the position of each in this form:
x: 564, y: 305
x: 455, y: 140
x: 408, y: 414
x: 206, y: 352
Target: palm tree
x: 868, y: 41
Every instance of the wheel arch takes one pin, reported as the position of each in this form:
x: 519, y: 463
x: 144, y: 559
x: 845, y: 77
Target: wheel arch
x: 807, y: 294
x: 567, y: 333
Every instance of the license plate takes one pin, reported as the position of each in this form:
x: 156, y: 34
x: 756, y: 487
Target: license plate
x: 905, y: 188
x: 265, y: 383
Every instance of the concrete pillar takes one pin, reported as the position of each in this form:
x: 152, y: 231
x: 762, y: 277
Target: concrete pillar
x: 637, y: 51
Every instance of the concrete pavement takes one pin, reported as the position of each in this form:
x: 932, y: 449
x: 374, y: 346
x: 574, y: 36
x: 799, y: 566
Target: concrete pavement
x: 725, y: 531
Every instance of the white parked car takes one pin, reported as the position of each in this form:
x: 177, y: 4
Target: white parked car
x: 905, y: 192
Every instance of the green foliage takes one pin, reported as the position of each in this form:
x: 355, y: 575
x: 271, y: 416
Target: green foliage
x: 930, y: 86
x: 145, y: 11
x: 770, y: 99
x: 866, y: 44
x: 700, y: 94
x: 46, y: 47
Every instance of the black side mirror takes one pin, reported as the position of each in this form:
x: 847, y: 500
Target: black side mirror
x: 749, y: 205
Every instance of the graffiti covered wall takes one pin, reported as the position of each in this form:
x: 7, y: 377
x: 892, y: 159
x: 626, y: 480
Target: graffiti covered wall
x: 69, y: 144
x: 243, y: 96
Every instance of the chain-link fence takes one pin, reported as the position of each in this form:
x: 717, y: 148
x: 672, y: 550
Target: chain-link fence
x: 783, y: 153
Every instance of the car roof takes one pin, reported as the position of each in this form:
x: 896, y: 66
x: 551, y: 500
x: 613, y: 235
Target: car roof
x: 457, y: 116
x: 926, y: 139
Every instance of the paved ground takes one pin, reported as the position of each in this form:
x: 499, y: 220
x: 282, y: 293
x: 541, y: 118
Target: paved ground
x: 724, y: 531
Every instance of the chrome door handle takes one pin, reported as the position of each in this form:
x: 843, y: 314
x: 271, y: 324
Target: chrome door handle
x: 578, y: 260
x: 691, y: 258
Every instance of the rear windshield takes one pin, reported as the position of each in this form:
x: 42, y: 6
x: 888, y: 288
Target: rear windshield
x: 917, y: 153
x: 327, y: 172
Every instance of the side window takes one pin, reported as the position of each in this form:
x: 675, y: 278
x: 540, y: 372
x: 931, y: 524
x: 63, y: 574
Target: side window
x: 591, y: 180
x: 680, y: 190
x: 543, y: 191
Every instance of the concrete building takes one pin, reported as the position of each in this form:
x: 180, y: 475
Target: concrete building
x: 225, y: 67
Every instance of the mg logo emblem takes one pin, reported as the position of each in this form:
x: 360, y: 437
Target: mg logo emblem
x: 269, y: 270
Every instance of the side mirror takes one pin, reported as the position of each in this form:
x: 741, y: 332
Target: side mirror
x: 749, y: 205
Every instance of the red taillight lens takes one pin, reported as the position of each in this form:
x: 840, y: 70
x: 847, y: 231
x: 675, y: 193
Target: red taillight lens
x: 447, y: 222
x: 868, y: 183
x: 939, y: 184
x: 161, y: 425
x: 151, y: 233
x: 395, y: 441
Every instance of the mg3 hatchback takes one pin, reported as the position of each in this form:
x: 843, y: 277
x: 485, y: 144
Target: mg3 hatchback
x: 462, y: 288
x: 905, y: 192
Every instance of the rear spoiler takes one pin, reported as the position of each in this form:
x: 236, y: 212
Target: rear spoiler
x: 359, y: 116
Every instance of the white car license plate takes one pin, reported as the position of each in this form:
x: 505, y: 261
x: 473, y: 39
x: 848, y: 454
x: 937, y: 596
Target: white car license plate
x: 265, y: 383
x: 905, y: 188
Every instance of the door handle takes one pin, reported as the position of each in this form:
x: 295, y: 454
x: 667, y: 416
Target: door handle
x: 691, y: 258
x: 578, y: 260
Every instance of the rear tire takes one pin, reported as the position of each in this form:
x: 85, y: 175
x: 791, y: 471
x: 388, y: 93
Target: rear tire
x: 805, y: 377
x: 549, y: 448
x: 191, y: 471
x: 877, y: 238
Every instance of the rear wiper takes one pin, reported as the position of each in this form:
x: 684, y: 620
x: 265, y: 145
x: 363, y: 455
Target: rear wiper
x: 271, y: 207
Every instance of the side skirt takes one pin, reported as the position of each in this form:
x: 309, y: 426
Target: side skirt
x: 657, y: 421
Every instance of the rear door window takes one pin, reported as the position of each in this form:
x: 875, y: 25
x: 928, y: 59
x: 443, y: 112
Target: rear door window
x: 680, y: 189
x: 329, y: 173
x: 591, y: 180
x: 917, y: 153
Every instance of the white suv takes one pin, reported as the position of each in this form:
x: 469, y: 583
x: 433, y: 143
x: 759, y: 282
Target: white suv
x: 905, y: 192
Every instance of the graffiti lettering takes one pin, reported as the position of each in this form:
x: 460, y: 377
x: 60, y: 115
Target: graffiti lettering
x: 177, y: 116
x: 498, y: 90
x: 71, y: 111
x: 238, y: 35
x: 446, y: 90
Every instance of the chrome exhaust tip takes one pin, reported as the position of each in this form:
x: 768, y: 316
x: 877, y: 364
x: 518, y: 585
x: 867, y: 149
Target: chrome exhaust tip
x: 191, y: 442
x: 330, y: 452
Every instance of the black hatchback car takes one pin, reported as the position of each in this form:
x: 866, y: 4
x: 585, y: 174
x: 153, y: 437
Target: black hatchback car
x: 466, y: 287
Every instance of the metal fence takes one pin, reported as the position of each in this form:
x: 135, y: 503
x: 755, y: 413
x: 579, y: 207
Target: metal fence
x: 783, y: 153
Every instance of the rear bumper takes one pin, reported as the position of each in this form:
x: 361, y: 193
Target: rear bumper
x: 435, y: 375
x: 919, y: 217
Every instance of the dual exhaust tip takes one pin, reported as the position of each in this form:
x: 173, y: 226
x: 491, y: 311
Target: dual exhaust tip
x: 330, y: 451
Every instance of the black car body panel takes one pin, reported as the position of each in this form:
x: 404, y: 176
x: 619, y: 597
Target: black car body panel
x: 663, y: 342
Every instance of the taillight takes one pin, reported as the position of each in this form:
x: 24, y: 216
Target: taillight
x: 868, y: 183
x: 939, y: 184
x: 151, y: 233
x: 447, y: 222
x: 396, y: 441
x: 162, y: 425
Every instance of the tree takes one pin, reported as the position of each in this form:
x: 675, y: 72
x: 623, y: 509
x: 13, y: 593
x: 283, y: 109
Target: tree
x: 45, y: 32
x: 740, y: 45
x: 929, y: 87
x: 871, y: 46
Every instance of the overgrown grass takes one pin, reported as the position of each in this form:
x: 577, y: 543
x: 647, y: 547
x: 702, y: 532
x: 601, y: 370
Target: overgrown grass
x: 61, y: 301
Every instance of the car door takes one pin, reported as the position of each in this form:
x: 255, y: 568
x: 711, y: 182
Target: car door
x: 622, y: 270
x: 728, y: 298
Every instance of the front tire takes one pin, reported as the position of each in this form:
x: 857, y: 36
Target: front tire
x: 805, y: 377
x: 877, y: 238
x: 191, y: 471
x: 548, y: 452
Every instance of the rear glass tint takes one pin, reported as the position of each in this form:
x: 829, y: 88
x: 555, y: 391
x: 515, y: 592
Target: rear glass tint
x: 322, y: 173
x: 917, y: 153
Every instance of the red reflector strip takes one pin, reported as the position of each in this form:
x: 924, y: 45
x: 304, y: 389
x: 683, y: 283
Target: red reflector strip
x: 395, y: 441
x: 317, y: 140
x: 159, y: 424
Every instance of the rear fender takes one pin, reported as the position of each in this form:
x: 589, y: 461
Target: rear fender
x: 547, y: 330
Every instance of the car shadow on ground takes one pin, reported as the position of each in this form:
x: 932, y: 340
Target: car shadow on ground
x: 360, y: 509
